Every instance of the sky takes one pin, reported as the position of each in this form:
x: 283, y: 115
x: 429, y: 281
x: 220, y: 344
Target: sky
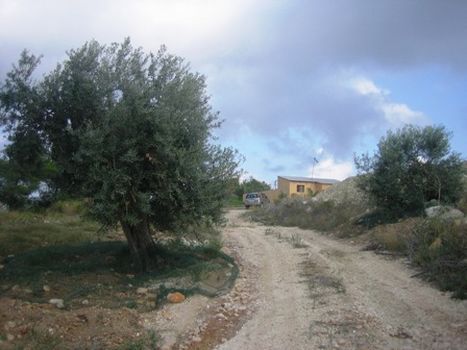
x: 293, y: 80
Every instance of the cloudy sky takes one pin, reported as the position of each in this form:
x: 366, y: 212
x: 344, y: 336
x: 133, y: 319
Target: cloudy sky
x: 294, y: 80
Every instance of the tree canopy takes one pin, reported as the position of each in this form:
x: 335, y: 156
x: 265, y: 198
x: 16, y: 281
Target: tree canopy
x: 130, y: 130
x: 412, y: 166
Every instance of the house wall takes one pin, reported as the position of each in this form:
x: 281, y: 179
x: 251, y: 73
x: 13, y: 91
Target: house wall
x: 283, y: 186
x: 290, y: 187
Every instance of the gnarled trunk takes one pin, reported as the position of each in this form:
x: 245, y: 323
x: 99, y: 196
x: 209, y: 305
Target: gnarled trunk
x: 141, y: 244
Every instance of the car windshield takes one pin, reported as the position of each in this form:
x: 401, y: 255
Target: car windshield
x: 252, y: 195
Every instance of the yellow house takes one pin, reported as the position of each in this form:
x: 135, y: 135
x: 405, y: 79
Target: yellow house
x: 302, y: 186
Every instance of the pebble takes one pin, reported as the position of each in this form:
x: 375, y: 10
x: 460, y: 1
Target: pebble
x: 2, y: 267
x: 85, y: 302
x: 46, y: 288
x: 10, y: 337
x: 196, y: 339
x: 175, y: 297
x: 141, y: 290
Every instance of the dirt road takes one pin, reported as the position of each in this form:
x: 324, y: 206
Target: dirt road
x: 330, y: 294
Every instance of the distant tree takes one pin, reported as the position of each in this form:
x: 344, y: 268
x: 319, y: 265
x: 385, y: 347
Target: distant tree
x: 412, y: 165
x: 130, y: 130
x: 251, y: 185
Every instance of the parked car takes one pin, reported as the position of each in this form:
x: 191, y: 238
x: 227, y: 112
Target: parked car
x: 254, y: 199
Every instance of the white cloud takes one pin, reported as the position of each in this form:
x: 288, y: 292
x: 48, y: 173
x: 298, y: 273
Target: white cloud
x: 330, y: 168
x: 395, y: 113
x: 367, y: 87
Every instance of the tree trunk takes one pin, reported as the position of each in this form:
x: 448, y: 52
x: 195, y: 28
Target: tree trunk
x: 141, y: 244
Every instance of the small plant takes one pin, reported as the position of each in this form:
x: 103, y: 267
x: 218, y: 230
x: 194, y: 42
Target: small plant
x: 269, y: 231
x: 296, y: 241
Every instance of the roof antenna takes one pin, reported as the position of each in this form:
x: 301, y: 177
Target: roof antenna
x: 315, y: 161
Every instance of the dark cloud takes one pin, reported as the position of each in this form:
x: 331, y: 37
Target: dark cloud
x: 285, y: 84
x: 386, y: 33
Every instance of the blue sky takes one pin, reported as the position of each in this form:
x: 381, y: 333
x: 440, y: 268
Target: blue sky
x: 294, y: 80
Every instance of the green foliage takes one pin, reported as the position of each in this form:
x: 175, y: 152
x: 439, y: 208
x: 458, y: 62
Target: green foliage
x: 251, y: 185
x: 439, y: 248
x: 25, y: 230
x: 412, y: 166
x: 130, y: 130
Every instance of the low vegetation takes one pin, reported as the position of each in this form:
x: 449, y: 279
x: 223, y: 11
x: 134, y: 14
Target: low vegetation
x: 439, y: 249
x: 308, y: 214
x: 57, y: 253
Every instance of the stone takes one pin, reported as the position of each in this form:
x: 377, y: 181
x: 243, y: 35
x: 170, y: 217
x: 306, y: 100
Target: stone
x: 175, y: 297
x: 444, y: 212
x: 46, y: 288
x: 2, y: 267
x: 141, y: 290
x: 57, y: 302
x: 11, y: 324
x: 85, y: 302
x: 10, y: 337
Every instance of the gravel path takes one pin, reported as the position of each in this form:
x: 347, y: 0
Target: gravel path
x: 330, y: 294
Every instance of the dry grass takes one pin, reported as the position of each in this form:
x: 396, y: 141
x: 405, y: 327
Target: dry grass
x: 393, y: 237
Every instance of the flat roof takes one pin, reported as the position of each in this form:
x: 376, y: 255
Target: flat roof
x: 309, y: 179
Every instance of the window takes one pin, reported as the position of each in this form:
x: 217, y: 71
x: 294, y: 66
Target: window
x: 301, y: 188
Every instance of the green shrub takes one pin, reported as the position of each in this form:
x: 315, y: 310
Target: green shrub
x: 439, y: 248
x: 412, y: 166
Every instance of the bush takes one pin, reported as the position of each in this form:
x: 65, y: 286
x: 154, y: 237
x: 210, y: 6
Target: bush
x: 439, y: 248
x: 319, y: 215
x: 412, y: 166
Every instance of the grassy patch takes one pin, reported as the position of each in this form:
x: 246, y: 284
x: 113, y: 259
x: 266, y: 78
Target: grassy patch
x: 439, y: 249
x: 234, y: 201
x: 148, y: 341
x: 22, y: 231
x: 102, y: 273
x: 58, y: 254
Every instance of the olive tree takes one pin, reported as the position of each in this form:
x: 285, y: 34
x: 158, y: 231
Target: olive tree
x: 411, y: 166
x: 133, y: 132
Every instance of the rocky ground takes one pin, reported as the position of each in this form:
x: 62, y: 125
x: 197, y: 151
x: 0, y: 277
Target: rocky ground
x: 297, y: 289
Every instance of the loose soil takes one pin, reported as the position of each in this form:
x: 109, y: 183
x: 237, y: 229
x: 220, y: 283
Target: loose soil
x: 332, y: 294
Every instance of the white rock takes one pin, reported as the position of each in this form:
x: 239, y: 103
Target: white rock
x: 57, y: 302
x: 444, y: 212
x: 141, y: 290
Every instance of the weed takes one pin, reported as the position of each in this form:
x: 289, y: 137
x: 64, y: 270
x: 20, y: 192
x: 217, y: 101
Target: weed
x: 269, y: 231
x: 40, y: 340
x: 147, y: 342
x: 393, y: 237
x: 296, y: 241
